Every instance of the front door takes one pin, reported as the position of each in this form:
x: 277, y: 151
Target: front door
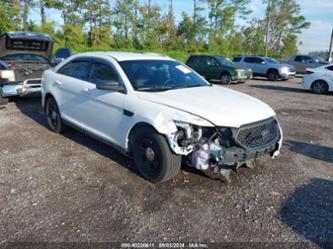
x: 212, y: 68
x: 104, y: 108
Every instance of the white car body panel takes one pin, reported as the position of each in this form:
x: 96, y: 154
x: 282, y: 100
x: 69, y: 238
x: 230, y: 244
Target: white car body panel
x: 325, y: 75
x: 320, y: 69
x: 101, y: 112
x: 225, y: 108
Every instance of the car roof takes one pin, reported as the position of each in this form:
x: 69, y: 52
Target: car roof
x: 128, y: 56
x: 28, y: 36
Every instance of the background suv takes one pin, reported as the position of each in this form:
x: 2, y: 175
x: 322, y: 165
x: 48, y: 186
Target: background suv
x: 218, y: 68
x: 302, y: 62
x: 266, y: 67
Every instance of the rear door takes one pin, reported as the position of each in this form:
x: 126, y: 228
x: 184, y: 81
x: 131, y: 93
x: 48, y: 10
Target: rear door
x: 68, y: 86
x: 212, y: 69
x: 260, y: 65
x: 198, y: 64
x: 249, y: 62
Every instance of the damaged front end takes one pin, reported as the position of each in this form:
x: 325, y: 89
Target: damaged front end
x: 218, y: 148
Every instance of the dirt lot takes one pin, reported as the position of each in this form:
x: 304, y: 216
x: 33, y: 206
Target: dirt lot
x: 73, y: 188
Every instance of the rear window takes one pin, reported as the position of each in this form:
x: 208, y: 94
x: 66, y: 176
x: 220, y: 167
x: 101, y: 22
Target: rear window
x: 191, y: 59
x: 79, y: 69
x: 237, y: 59
x: 250, y: 59
x: 18, y: 44
x: 25, y: 57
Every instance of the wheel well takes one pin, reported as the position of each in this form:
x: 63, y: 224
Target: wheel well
x: 272, y: 69
x: 319, y: 81
x: 47, y: 96
x: 225, y: 72
x: 132, y: 132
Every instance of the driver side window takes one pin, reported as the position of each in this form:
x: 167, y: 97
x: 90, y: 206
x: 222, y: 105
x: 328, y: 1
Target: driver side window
x: 102, y: 73
x: 211, y: 61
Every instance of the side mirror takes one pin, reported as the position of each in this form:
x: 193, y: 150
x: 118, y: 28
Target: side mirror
x: 55, y: 61
x: 110, y: 86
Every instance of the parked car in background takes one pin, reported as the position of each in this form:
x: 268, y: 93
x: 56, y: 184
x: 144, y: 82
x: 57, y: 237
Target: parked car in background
x: 60, y: 55
x: 218, y: 68
x: 317, y: 69
x: 26, y: 55
x: 159, y: 111
x: 266, y: 67
x: 319, y: 80
x: 301, y: 62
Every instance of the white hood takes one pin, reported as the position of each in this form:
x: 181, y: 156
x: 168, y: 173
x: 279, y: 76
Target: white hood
x: 218, y: 105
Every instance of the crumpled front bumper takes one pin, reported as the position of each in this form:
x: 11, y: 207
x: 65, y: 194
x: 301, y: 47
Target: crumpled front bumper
x: 27, y: 87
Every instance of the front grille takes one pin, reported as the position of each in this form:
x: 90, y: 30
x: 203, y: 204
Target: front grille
x: 258, y: 135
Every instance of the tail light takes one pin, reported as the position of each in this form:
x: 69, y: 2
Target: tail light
x: 12, y: 66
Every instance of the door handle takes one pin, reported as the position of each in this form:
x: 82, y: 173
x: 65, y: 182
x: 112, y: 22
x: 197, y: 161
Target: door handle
x: 58, y: 83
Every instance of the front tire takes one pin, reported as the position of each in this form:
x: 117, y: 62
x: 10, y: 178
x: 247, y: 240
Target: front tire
x: 273, y: 75
x: 153, y: 157
x: 320, y: 87
x: 53, y: 115
x: 225, y: 79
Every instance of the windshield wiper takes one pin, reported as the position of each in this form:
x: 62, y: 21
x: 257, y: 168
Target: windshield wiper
x: 156, y: 89
x: 189, y: 86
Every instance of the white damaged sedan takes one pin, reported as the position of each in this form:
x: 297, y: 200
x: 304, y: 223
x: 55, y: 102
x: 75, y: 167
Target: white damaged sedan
x: 158, y: 111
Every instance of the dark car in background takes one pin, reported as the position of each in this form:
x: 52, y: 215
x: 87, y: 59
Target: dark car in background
x: 218, y: 68
x: 25, y: 56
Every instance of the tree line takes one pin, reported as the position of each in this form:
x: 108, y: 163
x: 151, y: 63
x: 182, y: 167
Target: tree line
x: 214, y: 26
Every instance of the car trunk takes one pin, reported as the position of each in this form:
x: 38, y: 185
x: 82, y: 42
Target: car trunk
x: 27, y: 69
x: 18, y: 43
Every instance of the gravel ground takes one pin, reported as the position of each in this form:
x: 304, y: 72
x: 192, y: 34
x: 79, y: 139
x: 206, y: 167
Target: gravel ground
x: 56, y: 188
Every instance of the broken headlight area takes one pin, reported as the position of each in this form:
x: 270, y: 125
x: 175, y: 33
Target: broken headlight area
x: 217, y: 148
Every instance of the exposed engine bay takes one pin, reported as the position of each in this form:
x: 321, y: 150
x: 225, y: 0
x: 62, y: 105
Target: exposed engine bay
x: 216, y: 148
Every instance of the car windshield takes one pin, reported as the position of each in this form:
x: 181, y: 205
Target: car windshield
x: 160, y: 75
x: 25, y: 57
x: 226, y: 61
x: 271, y: 60
x: 318, y: 59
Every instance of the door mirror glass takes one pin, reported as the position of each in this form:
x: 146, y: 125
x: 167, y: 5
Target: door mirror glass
x: 110, y: 86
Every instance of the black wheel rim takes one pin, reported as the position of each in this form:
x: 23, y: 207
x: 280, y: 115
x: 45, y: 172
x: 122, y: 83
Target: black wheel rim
x: 149, y: 158
x: 319, y: 87
x: 273, y: 76
x: 225, y: 79
x: 53, y: 115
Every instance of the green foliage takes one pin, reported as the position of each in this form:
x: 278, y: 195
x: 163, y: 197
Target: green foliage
x: 134, y: 25
x: 9, y: 16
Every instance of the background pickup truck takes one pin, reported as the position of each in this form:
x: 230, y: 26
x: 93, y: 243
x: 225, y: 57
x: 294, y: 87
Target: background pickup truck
x: 24, y: 57
x: 302, y: 62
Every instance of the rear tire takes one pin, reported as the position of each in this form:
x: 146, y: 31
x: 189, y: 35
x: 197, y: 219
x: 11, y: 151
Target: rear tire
x: 273, y: 75
x: 225, y: 79
x: 153, y: 157
x: 320, y: 87
x: 53, y: 116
